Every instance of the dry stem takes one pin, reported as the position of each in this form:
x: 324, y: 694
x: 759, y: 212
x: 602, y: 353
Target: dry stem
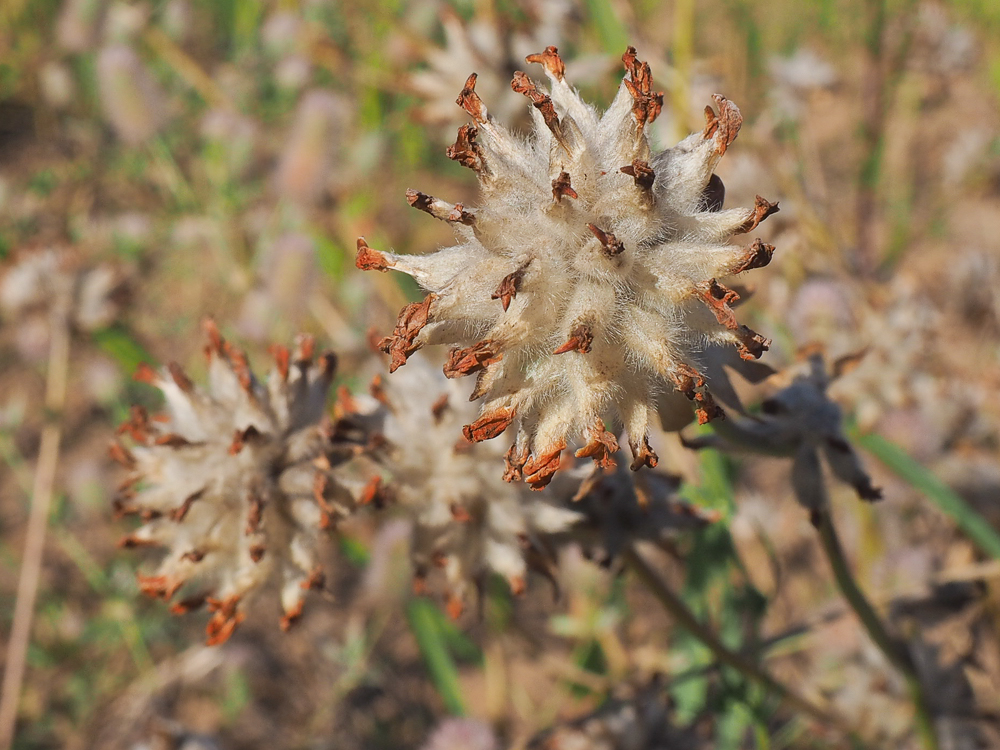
x: 41, y: 501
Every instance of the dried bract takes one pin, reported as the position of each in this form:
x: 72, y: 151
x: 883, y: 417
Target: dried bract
x: 802, y: 423
x: 590, y: 276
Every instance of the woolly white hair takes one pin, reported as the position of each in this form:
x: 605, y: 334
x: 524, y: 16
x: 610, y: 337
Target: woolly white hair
x: 584, y: 284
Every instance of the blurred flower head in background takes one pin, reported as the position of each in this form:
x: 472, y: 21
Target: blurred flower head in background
x: 239, y: 482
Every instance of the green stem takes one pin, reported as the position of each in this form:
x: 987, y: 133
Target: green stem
x: 893, y: 649
x: 684, y: 617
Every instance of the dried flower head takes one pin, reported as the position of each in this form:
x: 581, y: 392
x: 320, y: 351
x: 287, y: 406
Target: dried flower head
x: 466, y: 521
x: 237, y: 481
x: 619, y: 508
x: 50, y: 288
x: 587, y: 280
x: 801, y: 422
x: 483, y: 42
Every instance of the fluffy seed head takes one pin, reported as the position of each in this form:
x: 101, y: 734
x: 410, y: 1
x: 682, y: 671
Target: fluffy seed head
x: 237, y: 481
x: 586, y: 281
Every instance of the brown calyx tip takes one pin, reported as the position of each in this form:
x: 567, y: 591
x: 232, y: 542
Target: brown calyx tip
x: 377, y: 390
x: 282, y: 358
x: 292, y: 616
x: 469, y: 100
x: 514, y: 463
x: 581, y: 338
x: 211, y: 329
x: 225, y: 619
x: 758, y: 254
x: 439, y: 407
x: 471, y: 359
x: 159, y: 587
x: 418, y: 200
x: 646, y: 105
x: 762, y: 208
x: 641, y: 172
x: 189, y: 604
x: 121, y: 455
x: 642, y: 455
x: 723, y: 127
x: 612, y: 245
x: 144, y: 373
x: 402, y: 342
x: 538, y: 471
x: 238, y: 363
x: 718, y: 298
x: 561, y: 187
x: 600, y: 446
x: 439, y: 209
x: 172, y: 440
x: 305, y: 348
x: 460, y: 513
x: 454, y: 606
x: 241, y: 438
x: 465, y: 150
x: 316, y: 580
x: 136, y: 426
x: 256, y: 513
x: 691, y: 383
x: 370, y: 260
x: 509, y: 286
x: 550, y: 60
x: 489, y: 425
x: 178, y: 513
x: 751, y: 345
x: 344, y: 403
x: 542, y: 102
x: 373, y: 494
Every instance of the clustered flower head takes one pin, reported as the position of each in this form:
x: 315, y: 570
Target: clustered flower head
x: 237, y: 481
x: 466, y: 521
x: 587, y: 280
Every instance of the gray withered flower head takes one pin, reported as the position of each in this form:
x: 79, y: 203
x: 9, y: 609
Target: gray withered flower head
x: 587, y: 279
x: 800, y: 422
x: 466, y: 520
x: 619, y: 508
x: 237, y: 480
x: 42, y: 276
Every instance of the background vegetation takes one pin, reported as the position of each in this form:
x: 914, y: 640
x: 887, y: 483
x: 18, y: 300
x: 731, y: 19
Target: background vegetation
x: 220, y: 158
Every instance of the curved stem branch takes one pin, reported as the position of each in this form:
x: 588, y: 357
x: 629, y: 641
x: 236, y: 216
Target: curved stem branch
x: 684, y: 617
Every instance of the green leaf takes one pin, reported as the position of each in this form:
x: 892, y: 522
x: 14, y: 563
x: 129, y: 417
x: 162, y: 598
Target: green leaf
x: 425, y: 618
x: 906, y: 468
x: 119, y: 343
x: 612, y: 32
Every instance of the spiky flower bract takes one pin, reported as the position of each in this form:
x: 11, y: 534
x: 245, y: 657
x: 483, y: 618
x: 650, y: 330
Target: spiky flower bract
x: 237, y: 481
x: 586, y: 281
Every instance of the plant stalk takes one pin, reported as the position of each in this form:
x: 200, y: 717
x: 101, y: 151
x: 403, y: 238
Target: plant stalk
x: 684, y: 617
x: 893, y: 649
